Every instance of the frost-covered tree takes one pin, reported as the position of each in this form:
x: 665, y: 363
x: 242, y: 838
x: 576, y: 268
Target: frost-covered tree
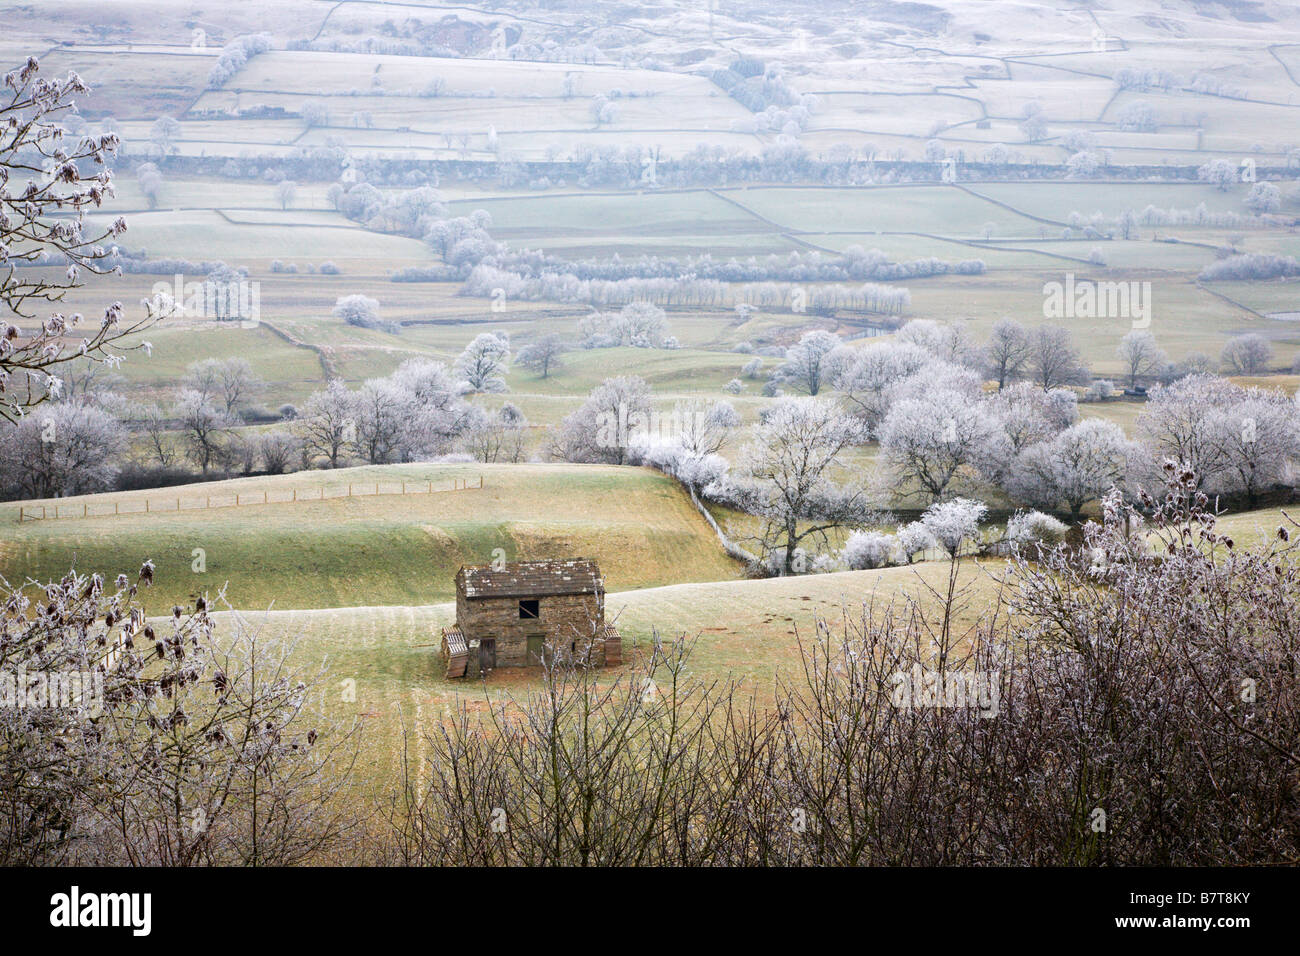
x: 788, y: 471
x: 49, y: 181
x: 496, y: 437
x: 1072, y: 469
x: 380, y: 409
x: 602, y: 428
x: 1027, y: 415
x: 1034, y: 527
x: 163, y: 134
x: 1008, y: 351
x: 359, y: 310
x: 285, y: 191
x: 948, y: 341
x: 149, y: 179
x: 204, y: 427
x: 543, y: 355
x: 327, y: 422
x: 932, y: 442
x: 62, y: 449
x: 228, y: 383
x: 484, y: 362
x: 704, y: 427
x: 912, y: 539
x: 434, y: 415
x: 811, y: 363
x: 1259, y: 435
x: 1179, y: 422
x: 641, y: 324
x: 868, y: 376
x: 1264, y: 198
x: 865, y: 550
x: 1219, y: 173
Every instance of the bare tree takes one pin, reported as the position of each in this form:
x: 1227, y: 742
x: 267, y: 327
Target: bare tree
x: 1054, y: 360
x: 190, y: 750
x: 157, y: 429
x: 203, y: 426
x: 1248, y: 354
x: 1140, y: 355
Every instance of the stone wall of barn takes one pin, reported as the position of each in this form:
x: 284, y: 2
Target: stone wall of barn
x: 568, y: 622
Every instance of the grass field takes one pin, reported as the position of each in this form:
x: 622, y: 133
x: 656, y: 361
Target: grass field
x: 746, y: 630
x: 386, y: 549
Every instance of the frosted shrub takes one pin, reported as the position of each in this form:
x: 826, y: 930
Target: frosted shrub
x: 1034, y: 527
x: 912, y: 539
x: 953, y: 523
x: 868, y: 549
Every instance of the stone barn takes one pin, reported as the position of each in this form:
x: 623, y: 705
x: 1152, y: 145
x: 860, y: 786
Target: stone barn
x: 521, y: 613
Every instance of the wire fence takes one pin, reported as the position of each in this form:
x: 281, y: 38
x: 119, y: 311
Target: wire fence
x: 238, y: 499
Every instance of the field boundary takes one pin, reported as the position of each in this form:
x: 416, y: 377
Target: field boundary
x: 179, y: 503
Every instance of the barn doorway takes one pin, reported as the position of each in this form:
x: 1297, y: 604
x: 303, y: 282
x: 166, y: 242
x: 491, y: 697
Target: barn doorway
x: 536, y: 649
x: 487, y: 654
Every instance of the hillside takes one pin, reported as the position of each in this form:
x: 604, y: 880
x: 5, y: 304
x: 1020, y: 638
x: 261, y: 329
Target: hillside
x: 388, y: 549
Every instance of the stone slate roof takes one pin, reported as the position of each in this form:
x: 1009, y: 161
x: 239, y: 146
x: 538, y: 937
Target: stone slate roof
x: 531, y: 579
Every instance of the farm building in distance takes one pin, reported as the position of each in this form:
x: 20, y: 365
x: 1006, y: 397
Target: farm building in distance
x: 511, y: 615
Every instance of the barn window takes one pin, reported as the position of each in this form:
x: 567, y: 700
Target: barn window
x: 530, y: 609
